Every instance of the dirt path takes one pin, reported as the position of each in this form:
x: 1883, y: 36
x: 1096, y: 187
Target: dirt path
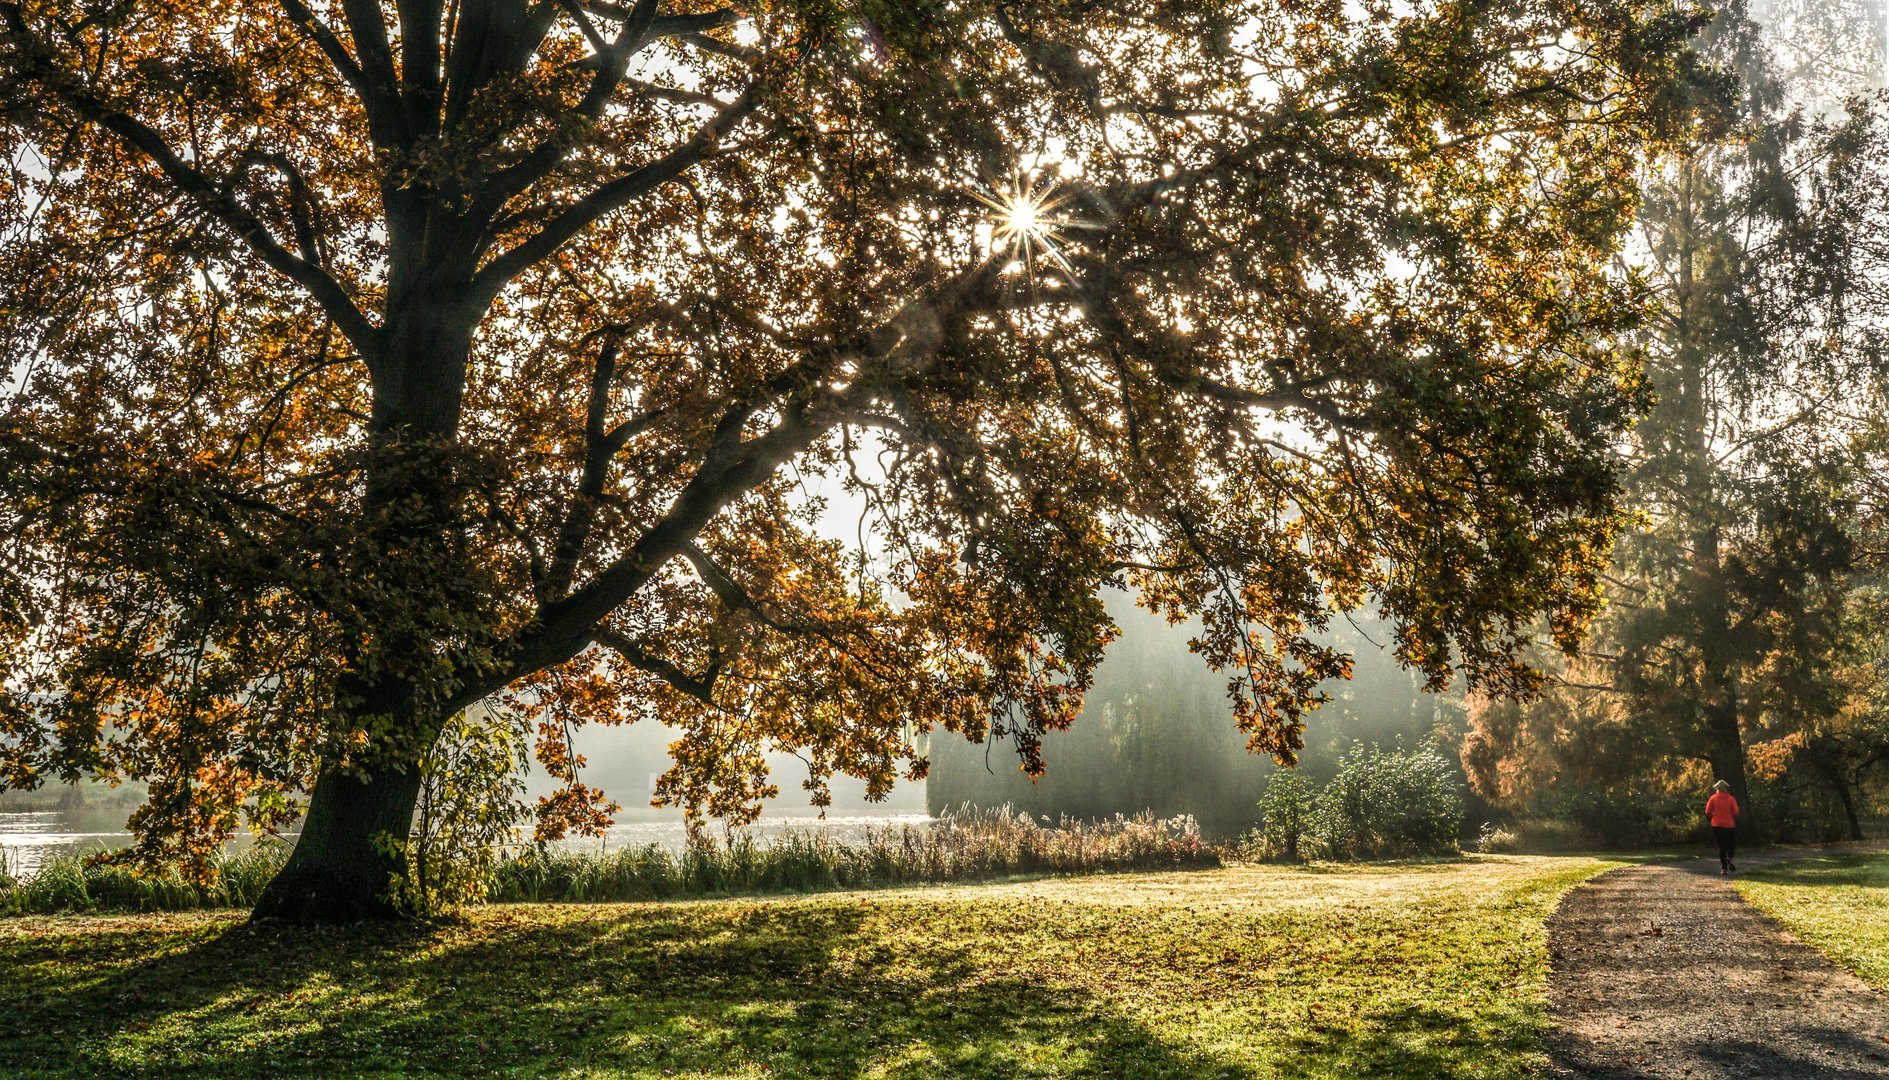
x: 1665, y: 971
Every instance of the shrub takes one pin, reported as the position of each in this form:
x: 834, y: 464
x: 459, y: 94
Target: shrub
x: 1285, y: 813
x: 471, y: 802
x: 1388, y: 803
x: 1493, y: 838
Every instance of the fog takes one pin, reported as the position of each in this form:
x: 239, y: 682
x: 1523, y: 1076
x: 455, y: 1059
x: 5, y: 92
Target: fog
x: 1156, y: 734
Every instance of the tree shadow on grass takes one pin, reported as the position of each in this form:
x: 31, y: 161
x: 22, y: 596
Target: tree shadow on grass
x: 1835, y: 870
x: 785, y: 990
x: 1414, y: 1042
x: 817, y: 988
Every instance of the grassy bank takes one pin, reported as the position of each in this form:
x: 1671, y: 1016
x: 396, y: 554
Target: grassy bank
x: 964, y: 847
x: 976, y: 846
x: 1413, y: 970
x: 1838, y: 903
x: 72, y: 883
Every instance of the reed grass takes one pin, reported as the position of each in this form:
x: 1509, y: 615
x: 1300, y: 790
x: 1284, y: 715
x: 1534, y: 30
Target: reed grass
x: 962, y: 846
x: 83, y: 883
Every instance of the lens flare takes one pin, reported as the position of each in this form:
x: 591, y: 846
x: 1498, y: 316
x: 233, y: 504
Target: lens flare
x: 1024, y: 222
x: 1024, y: 218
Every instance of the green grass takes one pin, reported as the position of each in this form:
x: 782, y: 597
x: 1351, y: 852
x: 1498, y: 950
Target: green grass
x: 1837, y: 903
x: 1434, y: 969
x: 78, y: 883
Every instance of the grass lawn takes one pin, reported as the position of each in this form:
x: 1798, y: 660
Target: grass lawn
x: 1838, y: 903
x: 1401, y: 970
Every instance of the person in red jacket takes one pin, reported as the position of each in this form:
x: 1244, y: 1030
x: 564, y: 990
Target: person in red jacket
x: 1722, y: 810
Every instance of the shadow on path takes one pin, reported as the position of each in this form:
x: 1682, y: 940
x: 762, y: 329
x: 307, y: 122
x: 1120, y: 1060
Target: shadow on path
x: 1665, y: 971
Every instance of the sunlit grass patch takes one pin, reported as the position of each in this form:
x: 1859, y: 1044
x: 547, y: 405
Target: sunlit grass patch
x: 1409, y: 970
x: 1837, y: 903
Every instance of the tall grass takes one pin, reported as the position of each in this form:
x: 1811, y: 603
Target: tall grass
x: 77, y: 883
x: 965, y: 846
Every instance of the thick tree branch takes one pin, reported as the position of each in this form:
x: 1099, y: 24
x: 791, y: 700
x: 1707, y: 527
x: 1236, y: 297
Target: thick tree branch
x: 376, y: 59
x: 613, y: 60
x: 300, y: 208
x: 609, y: 198
x: 224, y: 207
x: 732, y: 595
x: 198, y: 188
x: 599, y: 448
x: 730, y: 471
x: 331, y: 47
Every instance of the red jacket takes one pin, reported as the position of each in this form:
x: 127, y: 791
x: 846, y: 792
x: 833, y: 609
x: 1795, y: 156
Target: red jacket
x: 1722, y: 809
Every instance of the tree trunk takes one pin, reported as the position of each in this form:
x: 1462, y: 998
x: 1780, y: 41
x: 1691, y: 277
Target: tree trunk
x: 1728, y: 762
x: 1848, y: 799
x: 341, y: 870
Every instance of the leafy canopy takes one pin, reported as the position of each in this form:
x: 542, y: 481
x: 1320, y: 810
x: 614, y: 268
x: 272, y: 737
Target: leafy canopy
x: 369, y: 360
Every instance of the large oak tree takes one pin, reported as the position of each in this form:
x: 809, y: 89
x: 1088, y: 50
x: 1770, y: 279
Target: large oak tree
x: 368, y: 360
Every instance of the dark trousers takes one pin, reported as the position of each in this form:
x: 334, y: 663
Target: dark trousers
x: 1727, y: 839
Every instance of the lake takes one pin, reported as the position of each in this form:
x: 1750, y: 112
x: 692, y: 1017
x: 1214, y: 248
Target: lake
x: 29, y: 838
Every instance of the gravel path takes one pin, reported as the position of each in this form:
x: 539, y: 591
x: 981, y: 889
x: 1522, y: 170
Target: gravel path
x: 1665, y: 971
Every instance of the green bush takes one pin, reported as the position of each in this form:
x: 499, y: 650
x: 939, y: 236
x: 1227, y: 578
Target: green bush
x: 1387, y: 804
x: 1494, y: 839
x: 1285, y: 815
x: 470, y: 805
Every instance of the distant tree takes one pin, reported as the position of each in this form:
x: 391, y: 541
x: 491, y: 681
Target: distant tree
x: 1153, y: 734
x: 368, y: 360
x: 1729, y: 606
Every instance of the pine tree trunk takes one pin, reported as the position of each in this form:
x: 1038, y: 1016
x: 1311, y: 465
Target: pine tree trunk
x: 339, y: 872
x: 1728, y: 764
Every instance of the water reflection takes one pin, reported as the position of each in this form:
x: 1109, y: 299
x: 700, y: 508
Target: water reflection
x: 29, y: 838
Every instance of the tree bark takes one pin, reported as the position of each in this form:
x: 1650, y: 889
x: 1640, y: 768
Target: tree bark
x: 1727, y: 754
x: 341, y: 869
x: 1848, y: 799
x: 344, y: 865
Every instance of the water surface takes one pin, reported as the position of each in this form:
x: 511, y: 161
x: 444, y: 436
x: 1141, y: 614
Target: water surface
x: 29, y: 838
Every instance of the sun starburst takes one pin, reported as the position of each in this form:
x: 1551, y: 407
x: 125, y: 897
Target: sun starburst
x: 1025, y: 225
